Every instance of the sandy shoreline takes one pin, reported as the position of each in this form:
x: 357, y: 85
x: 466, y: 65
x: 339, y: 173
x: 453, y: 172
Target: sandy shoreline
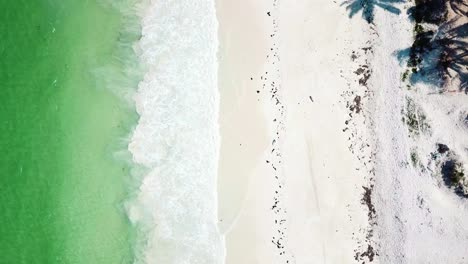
x: 290, y: 189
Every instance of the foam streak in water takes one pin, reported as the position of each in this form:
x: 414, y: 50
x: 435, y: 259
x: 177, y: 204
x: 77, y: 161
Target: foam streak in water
x: 177, y: 135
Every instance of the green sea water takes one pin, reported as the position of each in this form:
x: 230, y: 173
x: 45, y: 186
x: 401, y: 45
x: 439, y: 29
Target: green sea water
x: 61, y: 188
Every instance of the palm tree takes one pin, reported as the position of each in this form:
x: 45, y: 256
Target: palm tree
x: 367, y: 7
x: 429, y: 11
x: 441, y: 56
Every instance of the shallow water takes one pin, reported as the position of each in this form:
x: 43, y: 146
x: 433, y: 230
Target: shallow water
x: 61, y: 186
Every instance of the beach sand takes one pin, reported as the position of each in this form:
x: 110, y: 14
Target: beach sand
x: 289, y: 187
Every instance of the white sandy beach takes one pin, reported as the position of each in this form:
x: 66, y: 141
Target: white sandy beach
x: 285, y: 132
x: 315, y: 160
x: 289, y: 187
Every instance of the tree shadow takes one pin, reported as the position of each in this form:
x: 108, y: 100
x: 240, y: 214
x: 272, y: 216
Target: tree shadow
x: 459, y: 6
x: 439, y: 56
x: 436, y: 11
x: 367, y: 7
x: 429, y: 11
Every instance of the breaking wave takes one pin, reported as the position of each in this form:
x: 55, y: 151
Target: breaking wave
x: 177, y: 137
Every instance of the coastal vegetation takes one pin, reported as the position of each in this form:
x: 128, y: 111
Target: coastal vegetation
x: 438, y: 55
x: 415, y: 118
x: 453, y: 175
x: 445, y: 163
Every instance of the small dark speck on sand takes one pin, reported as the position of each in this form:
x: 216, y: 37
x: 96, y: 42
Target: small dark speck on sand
x: 258, y: 91
x: 268, y: 13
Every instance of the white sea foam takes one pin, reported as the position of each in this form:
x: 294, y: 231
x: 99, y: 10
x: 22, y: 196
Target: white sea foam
x: 177, y: 137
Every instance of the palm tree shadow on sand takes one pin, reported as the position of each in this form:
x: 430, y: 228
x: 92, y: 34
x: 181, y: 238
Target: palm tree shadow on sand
x: 459, y: 6
x: 440, y: 56
x: 367, y: 7
x: 436, y: 11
